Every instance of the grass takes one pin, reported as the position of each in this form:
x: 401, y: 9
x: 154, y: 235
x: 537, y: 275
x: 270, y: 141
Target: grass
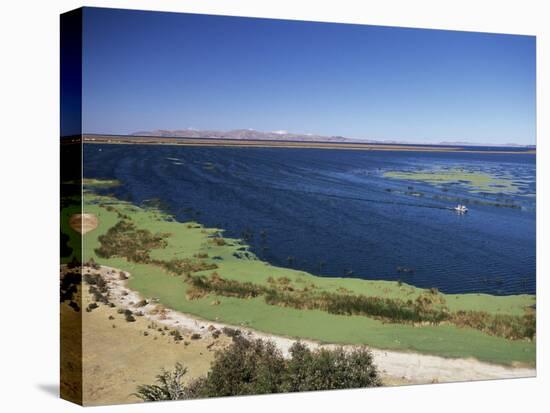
x: 429, y: 307
x: 189, y: 240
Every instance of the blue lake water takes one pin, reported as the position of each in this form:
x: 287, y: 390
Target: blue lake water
x: 333, y: 213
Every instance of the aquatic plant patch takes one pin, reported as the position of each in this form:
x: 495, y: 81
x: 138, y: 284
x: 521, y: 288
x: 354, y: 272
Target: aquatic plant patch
x: 473, y: 181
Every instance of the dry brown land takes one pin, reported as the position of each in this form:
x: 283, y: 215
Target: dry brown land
x: 70, y: 353
x: 117, y: 356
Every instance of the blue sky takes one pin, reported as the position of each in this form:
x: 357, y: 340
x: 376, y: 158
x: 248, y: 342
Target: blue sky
x: 150, y: 70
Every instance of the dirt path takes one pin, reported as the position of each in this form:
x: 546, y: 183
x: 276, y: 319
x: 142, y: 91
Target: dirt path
x: 396, y: 367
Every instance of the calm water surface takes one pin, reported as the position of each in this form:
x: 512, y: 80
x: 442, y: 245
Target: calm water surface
x: 333, y: 213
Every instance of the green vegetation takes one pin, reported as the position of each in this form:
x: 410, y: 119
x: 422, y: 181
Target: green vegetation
x: 187, y: 251
x: 100, y: 183
x: 473, y: 181
x: 170, y: 386
x: 185, y: 266
x: 125, y: 240
x: 428, y: 307
x: 387, y: 309
x: 257, y: 367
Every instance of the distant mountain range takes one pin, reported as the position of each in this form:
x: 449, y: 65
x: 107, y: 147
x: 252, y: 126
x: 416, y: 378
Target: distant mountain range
x: 244, y: 134
x: 507, y: 145
x: 251, y: 134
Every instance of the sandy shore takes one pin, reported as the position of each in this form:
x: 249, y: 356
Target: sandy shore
x: 396, y: 367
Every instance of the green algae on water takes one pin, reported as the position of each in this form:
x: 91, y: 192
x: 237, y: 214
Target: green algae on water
x: 473, y: 181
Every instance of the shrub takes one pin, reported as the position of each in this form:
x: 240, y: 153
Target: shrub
x: 181, y: 266
x: 91, y: 263
x: 74, y: 306
x: 231, y: 332
x: 91, y: 307
x: 177, y: 335
x: 502, y: 325
x: 258, y: 367
x: 98, y: 295
x: 246, y: 367
x: 125, y: 240
x: 170, y: 386
x: 329, y: 369
x: 69, y: 285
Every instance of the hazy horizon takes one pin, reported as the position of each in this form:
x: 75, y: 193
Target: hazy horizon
x: 144, y: 71
x: 283, y: 133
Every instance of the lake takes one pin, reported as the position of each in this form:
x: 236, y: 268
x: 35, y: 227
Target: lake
x: 381, y: 215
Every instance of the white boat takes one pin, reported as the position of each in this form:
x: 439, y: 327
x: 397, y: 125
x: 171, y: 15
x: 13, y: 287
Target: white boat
x: 461, y: 209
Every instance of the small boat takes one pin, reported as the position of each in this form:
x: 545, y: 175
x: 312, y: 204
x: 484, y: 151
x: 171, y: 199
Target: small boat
x: 461, y: 209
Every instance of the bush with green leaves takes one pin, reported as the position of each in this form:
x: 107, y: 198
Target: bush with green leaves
x: 258, y: 367
x: 245, y: 367
x: 125, y: 240
x: 329, y: 369
x: 170, y: 386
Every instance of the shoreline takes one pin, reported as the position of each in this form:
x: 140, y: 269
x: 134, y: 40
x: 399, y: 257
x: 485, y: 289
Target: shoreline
x: 251, y: 143
x: 152, y: 281
x: 395, y: 366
